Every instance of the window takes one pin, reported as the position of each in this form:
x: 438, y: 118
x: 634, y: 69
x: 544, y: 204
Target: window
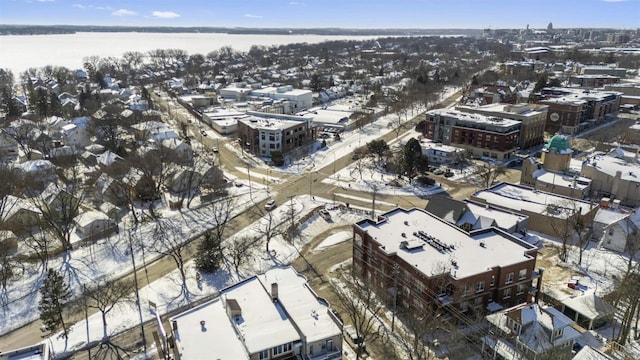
x: 281, y: 349
x: 465, y: 290
x: 507, y: 293
x: 493, y: 281
x: 464, y: 306
x: 509, y: 279
x: 522, y: 274
x: 477, y: 302
x: 520, y: 289
x: 480, y: 286
x: 264, y: 354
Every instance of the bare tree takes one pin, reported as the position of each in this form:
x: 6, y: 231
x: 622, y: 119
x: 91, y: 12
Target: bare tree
x: 103, y: 297
x: 39, y: 242
x: 58, y: 210
x: 221, y: 213
x: 170, y: 241
x: 240, y: 249
x: 358, y: 301
x: 267, y: 227
x: 488, y: 173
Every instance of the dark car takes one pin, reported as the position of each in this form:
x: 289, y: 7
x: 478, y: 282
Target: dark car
x: 448, y: 174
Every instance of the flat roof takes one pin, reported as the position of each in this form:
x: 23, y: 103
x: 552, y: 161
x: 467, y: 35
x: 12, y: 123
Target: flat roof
x: 475, y: 118
x: 520, y: 109
x: 500, y: 248
x: 519, y: 198
x: 629, y: 171
x: 218, y: 330
x: 308, y: 312
x: 566, y: 181
x: 325, y: 116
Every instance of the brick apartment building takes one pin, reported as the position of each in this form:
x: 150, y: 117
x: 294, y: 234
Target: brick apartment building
x: 532, y: 119
x: 427, y: 262
x: 482, y: 135
x: 262, y: 133
x: 573, y: 110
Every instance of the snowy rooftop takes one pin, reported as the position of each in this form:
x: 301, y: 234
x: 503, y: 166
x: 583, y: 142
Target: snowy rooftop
x: 537, y: 325
x: 271, y: 90
x: 500, y: 249
x: 262, y: 323
x: 35, y: 352
x: 327, y: 116
x: 629, y: 171
x: 519, y: 198
x: 522, y: 109
x: 427, y: 144
x: 475, y: 118
x: 308, y: 312
x: 198, y: 342
x: 269, y: 123
x: 504, y: 219
x: 609, y: 216
x: 562, y: 180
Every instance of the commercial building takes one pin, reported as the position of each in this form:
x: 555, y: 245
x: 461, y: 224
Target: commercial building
x: 573, y: 110
x: 594, y: 81
x: 582, y: 69
x: 531, y: 116
x: 615, y: 174
x: 299, y: 99
x: 418, y: 261
x: 486, y: 136
x: 275, y: 315
x: 548, y: 213
x: 262, y: 133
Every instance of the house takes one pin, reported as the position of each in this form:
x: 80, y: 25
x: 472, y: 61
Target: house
x: 19, y: 214
x: 589, y: 353
x: 527, y: 331
x: 8, y: 145
x: 93, y: 224
x: 470, y: 215
x: 107, y: 158
x: 437, y: 153
x: 178, y: 151
x: 440, y: 265
x: 548, y: 213
x: 622, y: 234
x: 232, y: 326
x: 40, y: 171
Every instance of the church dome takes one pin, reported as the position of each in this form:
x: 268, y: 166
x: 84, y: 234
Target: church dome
x: 560, y: 144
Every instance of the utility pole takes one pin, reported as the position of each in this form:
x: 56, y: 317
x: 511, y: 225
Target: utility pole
x: 135, y: 280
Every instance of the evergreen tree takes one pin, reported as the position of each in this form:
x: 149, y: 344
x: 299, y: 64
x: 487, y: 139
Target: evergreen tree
x: 209, y: 255
x: 54, y: 293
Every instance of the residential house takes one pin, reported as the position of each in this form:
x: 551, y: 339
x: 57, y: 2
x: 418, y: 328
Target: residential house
x: 622, y: 234
x: 418, y: 261
x: 19, y: 214
x: 40, y: 171
x: 232, y: 326
x: 440, y: 154
x: 8, y: 145
x: 8, y: 241
x: 92, y: 225
x: 528, y: 331
x: 178, y: 151
x: 470, y: 215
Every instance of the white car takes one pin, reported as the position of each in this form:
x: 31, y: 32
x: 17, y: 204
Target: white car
x: 270, y: 205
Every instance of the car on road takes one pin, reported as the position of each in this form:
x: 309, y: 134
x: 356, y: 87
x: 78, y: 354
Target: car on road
x: 324, y: 213
x: 215, y: 149
x: 438, y: 171
x: 270, y: 205
x: 204, y: 133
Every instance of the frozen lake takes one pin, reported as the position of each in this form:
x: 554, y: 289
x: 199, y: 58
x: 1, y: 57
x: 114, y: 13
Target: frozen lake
x: 20, y: 52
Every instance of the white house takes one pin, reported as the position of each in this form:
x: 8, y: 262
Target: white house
x: 93, y: 223
x: 622, y: 234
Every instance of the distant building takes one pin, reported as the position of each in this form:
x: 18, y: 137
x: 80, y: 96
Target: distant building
x: 490, y: 137
x: 34, y: 352
x: 594, y: 81
x: 275, y: 315
x: 428, y: 263
x: 531, y: 116
x: 612, y: 70
x: 574, y: 110
x: 615, y: 175
x: 262, y: 134
x: 529, y: 331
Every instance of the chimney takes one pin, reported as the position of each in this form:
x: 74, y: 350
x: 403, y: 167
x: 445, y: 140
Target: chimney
x: 175, y: 325
x: 274, y: 291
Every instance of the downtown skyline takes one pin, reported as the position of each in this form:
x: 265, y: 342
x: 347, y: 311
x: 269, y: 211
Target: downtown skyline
x: 461, y: 14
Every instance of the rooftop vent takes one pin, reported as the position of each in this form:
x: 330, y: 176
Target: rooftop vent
x: 406, y: 222
x: 274, y: 291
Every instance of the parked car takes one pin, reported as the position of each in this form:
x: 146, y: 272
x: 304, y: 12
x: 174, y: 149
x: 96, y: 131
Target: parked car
x: 448, y: 174
x: 237, y: 183
x: 270, y: 205
x: 438, y: 171
x: 215, y: 149
x: 204, y: 133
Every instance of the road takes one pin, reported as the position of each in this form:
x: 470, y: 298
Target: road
x: 315, y: 266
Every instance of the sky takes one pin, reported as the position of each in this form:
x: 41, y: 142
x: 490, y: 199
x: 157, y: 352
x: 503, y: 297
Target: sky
x: 326, y: 13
